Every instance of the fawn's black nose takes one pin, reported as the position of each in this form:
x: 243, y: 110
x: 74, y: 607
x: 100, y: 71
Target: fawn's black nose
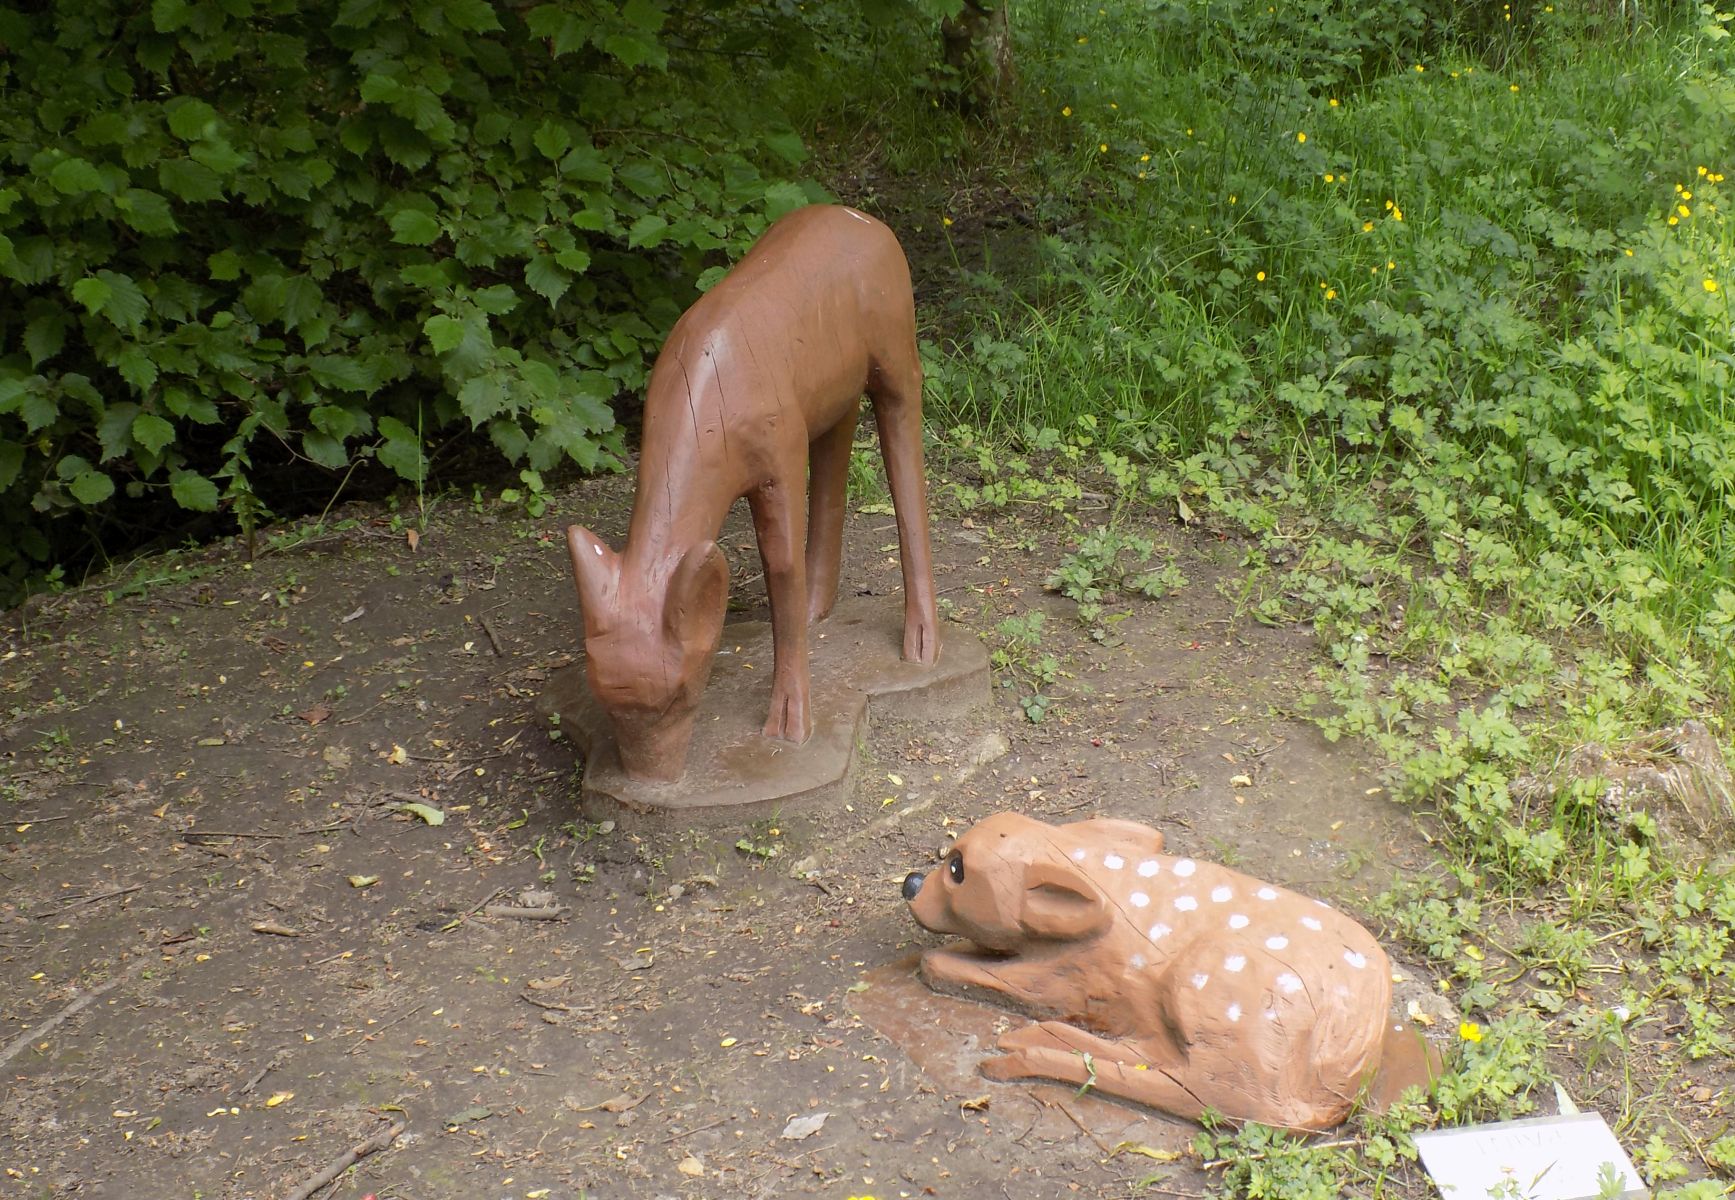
x: 912, y: 884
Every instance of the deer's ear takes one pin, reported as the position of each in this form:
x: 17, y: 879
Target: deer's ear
x: 597, y: 571
x: 1060, y: 903
x: 698, y: 591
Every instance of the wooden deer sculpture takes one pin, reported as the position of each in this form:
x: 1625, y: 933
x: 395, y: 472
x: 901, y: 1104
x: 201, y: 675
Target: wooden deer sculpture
x: 1173, y: 982
x: 758, y: 388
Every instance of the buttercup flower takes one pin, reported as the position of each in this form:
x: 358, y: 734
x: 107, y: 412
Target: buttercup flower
x: 1301, y: 137
x: 1260, y: 276
x: 1067, y: 111
x: 1470, y: 1031
x: 1710, y: 285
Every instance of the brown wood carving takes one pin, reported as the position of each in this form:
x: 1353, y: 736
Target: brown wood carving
x: 759, y: 383
x: 1172, y: 982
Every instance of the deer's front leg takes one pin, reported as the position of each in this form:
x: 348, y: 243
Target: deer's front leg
x: 781, y: 524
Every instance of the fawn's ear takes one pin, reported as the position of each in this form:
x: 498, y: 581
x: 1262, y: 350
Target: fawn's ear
x: 1141, y: 839
x: 597, y: 571
x: 698, y: 592
x: 1060, y: 903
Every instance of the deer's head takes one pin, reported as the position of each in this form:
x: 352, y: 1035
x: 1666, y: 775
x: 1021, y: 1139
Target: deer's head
x: 649, y: 638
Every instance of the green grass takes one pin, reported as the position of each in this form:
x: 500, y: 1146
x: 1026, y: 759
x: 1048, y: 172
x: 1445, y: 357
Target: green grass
x: 1432, y: 333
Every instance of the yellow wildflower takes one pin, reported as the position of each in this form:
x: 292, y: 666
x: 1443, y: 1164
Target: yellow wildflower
x: 1333, y: 101
x: 1102, y: 148
x: 1233, y: 198
x: 1390, y: 265
x: 1629, y: 253
x: 1512, y: 87
x: 1683, y: 210
x: 1710, y: 285
x: 1331, y: 293
x: 1420, y: 68
x: 1301, y: 137
x: 1367, y: 226
x: 1397, y: 214
x: 1260, y: 276
x: 1329, y: 177
x: 1067, y: 111
x: 946, y: 221
x: 1686, y: 195
x: 1674, y: 220
x: 1470, y: 1031
x: 1083, y: 40
x: 1144, y: 158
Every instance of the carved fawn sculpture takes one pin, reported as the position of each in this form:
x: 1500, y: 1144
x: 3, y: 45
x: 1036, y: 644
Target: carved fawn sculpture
x: 1172, y: 982
x: 758, y: 388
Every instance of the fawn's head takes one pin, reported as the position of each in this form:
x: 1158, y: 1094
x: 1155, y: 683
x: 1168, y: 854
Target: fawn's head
x: 649, y: 638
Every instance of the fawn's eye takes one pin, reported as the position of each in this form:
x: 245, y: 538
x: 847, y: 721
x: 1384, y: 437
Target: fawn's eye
x: 955, y: 866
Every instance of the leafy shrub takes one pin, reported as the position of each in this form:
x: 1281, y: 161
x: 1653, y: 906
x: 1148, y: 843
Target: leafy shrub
x: 240, y: 236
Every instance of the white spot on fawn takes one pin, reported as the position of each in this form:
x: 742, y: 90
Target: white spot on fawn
x: 1233, y: 1012
x: 1138, y: 899
x: 1158, y: 932
x: 1136, y: 962
x: 1271, y: 1014
x: 1234, y: 962
x: 1266, y: 893
x: 1185, y: 867
x: 1238, y: 921
x: 1221, y: 894
x: 1289, y: 984
x: 1149, y: 867
x: 1200, y: 980
x: 598, y: 550
x: 1114, y: 862
x: 1312, y: 923
x: 1355, y: 959
x: 1186, y: 903
x: 1276, y: 943
x: 1078, y: 855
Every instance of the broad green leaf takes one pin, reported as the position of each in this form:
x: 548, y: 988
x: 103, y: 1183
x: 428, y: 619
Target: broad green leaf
x: 574, y: 260
x: 12, y: 462
x: 472, y: 16
x: 508, y: 437
x: 783, y: 198
x: 787, y: 146
x: 334, y: 421
x: 400, y: 449
x: 443, y: 332
x: 483, y: 398
x: 137, y: 368
x: 381, y: 89
x: 145, y: 211
x: 649, y: 180
x: 192, y: 490
x: 413, y: 227
x: 91, y: 487
x: 647, y: 231
x: 644, y: 14
x: 152, y: 432
x: 124, y: 305
x: 325, y: 450
x: 191, y: 119
x: 188, y: 180
x: 340, y: 372
x: 552, y: 139
x: 301, y: 301
x: 498, y: 300
x: 428, y: 813
x: 75, y: 176
x: 546, y: 278
x: 93, y: 293
x: 44, y: 337
x: 634, y: 49
x: 169, y: 15
x: 114, y: 429
x: 225, y: 264
x: 218, y: 155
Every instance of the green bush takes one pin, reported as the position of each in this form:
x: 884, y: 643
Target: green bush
x: 245, y: 237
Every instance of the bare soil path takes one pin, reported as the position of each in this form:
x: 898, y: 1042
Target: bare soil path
x: 229, y: 954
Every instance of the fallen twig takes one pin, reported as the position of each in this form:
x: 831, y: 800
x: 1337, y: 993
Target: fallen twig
x: 371, y: 1034
x: 480, y: 905
x: 548, y: 1004
x: 17, y: 1044
x: 271, y: 1064
x: 212, y: 833
x: 83, y: 900
x: 552, y: 912
x: 346, y: 1160
x: 277, y: 930
x: 493, y: 638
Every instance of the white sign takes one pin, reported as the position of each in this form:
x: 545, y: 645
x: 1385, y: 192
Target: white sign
x: 1547, y: 1158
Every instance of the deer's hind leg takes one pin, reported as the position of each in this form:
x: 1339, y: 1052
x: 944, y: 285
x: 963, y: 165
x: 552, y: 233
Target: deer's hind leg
x: 895, y: 387
x: 780, y: 523
x: 827, y: 502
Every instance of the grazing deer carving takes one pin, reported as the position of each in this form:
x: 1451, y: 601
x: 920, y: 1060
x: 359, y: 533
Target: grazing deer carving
x: 756, y: 394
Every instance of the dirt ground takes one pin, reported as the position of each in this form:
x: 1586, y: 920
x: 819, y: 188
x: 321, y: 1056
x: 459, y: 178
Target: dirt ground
x: 202, y: 771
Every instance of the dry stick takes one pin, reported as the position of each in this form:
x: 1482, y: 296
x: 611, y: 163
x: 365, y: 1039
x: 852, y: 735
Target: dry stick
x: 493, y: 638
x: 17, y: 1044
x: 371, y: 1034
x: 548, y: 1004
x: 1071, y: 1117
x: 82, y: 900
x: 484, y: 902
x: 271, y: 1064
x: 553, y: 912
x: 346, y: 1160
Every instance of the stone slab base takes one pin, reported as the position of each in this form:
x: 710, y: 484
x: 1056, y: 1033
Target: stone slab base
x: 735, y: 774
